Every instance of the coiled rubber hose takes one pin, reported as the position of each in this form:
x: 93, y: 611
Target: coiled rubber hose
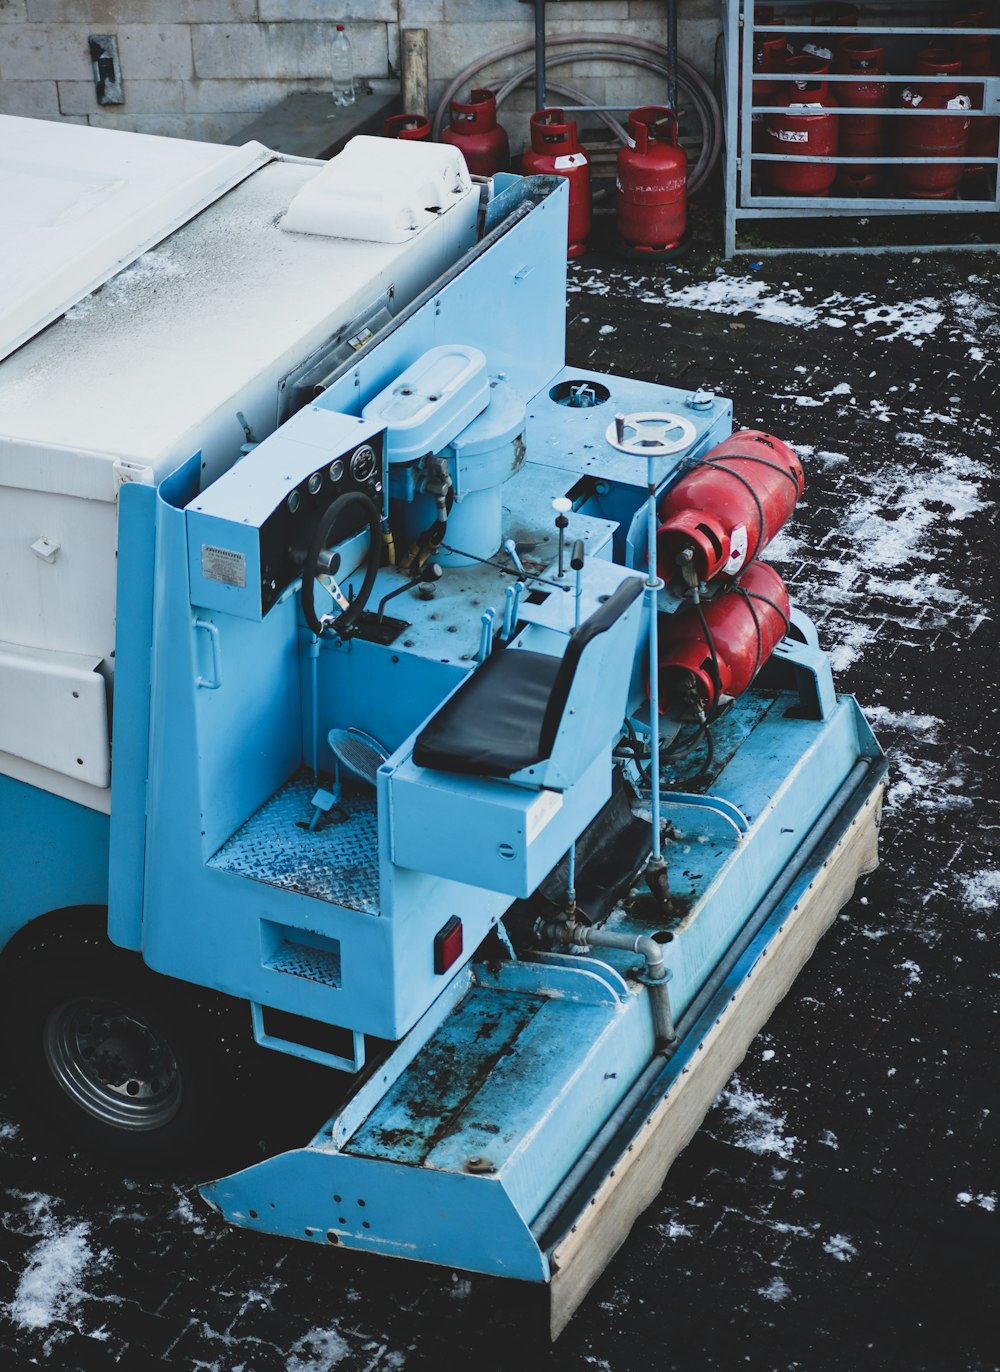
x: 642, y: 52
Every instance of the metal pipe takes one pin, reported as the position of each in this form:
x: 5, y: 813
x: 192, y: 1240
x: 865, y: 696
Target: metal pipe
x: 314, y: 703
x: 644, y: 1094
x: 656, y: 868
x: 571, y: 931
x: 672, y: 54
x: 539, y: 54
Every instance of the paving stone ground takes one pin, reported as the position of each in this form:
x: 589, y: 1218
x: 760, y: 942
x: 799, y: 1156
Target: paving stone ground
x: 840, y: 1207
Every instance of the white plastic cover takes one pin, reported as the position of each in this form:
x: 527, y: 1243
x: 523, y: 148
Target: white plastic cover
x: 81, y: 203
x: 380, y: 190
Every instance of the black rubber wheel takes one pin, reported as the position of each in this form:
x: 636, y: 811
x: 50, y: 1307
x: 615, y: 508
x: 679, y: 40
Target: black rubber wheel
x: 116, y: 1058
x: 344, y: 624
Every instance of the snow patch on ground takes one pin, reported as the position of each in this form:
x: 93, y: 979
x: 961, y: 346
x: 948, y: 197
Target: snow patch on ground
x: 985, y: 1200
x: 755, y: 1126
x: 981, y: 890
x: 776, y: 1290
x: 317, y: 1351
x: 50, y: 1285
x: 839, y: 1246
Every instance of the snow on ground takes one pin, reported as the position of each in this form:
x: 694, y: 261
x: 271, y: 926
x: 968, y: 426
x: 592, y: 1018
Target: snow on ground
x: 753, y: 1124
x: 51, y: 1283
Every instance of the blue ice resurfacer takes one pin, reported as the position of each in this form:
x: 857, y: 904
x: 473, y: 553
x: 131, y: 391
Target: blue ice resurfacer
x: 363, y: 664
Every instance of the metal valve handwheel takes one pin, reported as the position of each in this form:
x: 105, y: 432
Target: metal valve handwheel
x: 650, y: 433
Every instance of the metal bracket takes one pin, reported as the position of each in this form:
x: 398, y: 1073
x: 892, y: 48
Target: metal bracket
x: 301, y: 1050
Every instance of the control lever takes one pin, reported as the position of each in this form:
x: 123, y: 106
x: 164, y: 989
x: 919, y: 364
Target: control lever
x: 576, y: 562
x: 431, y: 571
x: 562, y: 507
x: 510, y: 547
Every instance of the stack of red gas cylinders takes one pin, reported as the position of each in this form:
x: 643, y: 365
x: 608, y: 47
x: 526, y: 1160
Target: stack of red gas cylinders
x: 808, y: 128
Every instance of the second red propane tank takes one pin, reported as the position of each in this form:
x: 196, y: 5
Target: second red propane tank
x: 474, y: 130
x: 861, y: 135
x: 744, y: 624
x: 807, y: 131
x: 933, y: 136
x: 651, y: 203
x: 410, y: 128
x: 555, y: 151
x: 728, y: 508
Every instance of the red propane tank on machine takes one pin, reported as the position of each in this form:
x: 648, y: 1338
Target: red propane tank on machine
x: 808, y: 130
x: 722, y: 514
x: 474, y: 130
x: 651, y: 203
x: 733, y: 636
x: 861, y: 135
x: 555, y: 151
x: 927, y: 136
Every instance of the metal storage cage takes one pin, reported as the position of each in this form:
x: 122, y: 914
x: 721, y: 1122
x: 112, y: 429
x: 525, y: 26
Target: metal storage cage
x: 964, y: 180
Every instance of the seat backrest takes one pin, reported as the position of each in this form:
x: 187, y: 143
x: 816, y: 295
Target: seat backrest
x: 599, y: 623
x: 585, y: 707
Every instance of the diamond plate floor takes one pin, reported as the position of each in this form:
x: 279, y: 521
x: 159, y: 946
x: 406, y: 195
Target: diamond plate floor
x: 337, y: 862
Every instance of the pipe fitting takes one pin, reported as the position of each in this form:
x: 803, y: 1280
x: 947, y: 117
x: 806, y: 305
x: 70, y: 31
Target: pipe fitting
x: 657, y: 976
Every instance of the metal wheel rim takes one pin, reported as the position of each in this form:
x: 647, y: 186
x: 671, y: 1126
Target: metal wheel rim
x: 112, y: 1063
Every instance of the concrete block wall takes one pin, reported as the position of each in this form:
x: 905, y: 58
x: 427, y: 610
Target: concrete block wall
x: 203, y: 68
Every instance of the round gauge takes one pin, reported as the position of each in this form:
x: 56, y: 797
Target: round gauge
x: 315, y: 481
x: 336, y: 470
x: 293, y: 502
x: 363, y: 463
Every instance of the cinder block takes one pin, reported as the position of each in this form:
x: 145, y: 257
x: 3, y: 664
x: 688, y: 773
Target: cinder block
x: 13, y: 12
x: 141, y: 97
x: 278, y: 51
x: 414, y: 14
x: 243, y: 97
x: 39, y: 52
x: 111, y: 13
x: 210, y: 128
x: 31, y: 99
x: 451, y: 47
x: 346, y: 12
x: 155, y: 52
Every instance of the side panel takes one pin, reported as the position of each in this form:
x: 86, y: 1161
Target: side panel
x: 53, y: 854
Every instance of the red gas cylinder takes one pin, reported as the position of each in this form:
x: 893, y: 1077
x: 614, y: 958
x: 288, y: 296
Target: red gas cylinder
x: 412, y: 128
x: 861, y: 135
x: 555, y: 151
x: 744, y: 625
x: 651, y: 203
x: 976, y: 52
x: 806, y: 131
x: 927, y: 136
x: 828, y: 18
x: 770, y: 54
x: 726, y: 510
x: 474, y: 130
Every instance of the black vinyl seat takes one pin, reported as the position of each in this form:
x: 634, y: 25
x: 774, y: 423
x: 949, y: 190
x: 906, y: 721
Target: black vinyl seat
x: 506, y: 714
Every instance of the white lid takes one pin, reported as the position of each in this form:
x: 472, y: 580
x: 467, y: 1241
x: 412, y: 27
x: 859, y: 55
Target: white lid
x: 80, y: 203
x: 380, y: 190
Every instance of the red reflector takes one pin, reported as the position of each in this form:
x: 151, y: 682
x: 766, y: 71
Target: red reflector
x: 448, y: 944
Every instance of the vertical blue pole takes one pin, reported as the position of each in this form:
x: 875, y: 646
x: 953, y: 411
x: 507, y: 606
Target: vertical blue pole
x: 653, y: 584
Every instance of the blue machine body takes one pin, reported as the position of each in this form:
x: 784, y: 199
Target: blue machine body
x: 218, y: 867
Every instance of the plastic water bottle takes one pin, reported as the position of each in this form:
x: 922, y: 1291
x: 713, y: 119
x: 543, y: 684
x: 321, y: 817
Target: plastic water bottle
x: 343, y: 68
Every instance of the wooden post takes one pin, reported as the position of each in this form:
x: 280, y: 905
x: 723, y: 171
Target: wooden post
x: 414, y: 71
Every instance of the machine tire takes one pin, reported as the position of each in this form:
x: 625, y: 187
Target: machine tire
x: 122, y: 1061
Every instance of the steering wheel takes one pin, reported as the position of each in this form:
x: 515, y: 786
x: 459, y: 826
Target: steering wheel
x: 342, y: 625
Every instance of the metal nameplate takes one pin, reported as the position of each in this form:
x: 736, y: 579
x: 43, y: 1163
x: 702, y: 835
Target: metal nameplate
x: 223, y: 564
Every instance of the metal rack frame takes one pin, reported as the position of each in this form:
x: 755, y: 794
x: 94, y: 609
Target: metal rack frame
x: 743, y: 204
